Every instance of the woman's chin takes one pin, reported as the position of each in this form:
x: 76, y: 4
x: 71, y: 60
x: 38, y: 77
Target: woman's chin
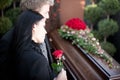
x: 41, y: 41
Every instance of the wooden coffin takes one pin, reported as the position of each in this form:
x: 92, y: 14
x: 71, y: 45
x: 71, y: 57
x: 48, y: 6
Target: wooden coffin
x: 80, y: 65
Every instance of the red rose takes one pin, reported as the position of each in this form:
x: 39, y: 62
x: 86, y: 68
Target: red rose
x: 58, y: 65
x: 76, y: 23
x: 57, y: 54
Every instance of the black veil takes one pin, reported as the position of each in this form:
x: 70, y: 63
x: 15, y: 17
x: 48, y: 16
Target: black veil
x: 22, y: 34
x: 21, y: 39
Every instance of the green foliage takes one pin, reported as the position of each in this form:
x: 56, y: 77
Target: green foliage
x: 97, y: 1
x: 13, y: 14
x: 107, y: 27
x: 84, y: 39
x: 5, y: 3
x: 57, y: 67
x: 108, y: 47
x: 111, y: 7
x: 80, y: 42
x: 97, y: 35
x: 16, y: 0
x: 66, y: 35
x: 5, y: 25
x: 93, y: 13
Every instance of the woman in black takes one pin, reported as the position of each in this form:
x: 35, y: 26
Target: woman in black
x: 28, y: 58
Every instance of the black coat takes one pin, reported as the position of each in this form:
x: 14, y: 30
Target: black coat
x: 4, y: 55
x: 31, y: 65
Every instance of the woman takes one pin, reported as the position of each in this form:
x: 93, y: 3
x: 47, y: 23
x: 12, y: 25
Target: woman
x: 40, y: 6
x: 27, y: 59
x: 23, y: 63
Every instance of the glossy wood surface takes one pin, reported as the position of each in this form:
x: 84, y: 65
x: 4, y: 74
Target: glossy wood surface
x: 82, y: 65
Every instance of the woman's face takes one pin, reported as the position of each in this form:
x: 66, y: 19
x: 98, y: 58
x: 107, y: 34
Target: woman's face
x: 38, y: 31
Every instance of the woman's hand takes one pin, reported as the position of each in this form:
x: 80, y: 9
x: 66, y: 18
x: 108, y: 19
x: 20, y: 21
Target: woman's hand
x: 61, y: 76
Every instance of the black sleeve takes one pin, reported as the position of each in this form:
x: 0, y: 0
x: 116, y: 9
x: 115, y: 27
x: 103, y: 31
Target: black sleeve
x: 40, y: 70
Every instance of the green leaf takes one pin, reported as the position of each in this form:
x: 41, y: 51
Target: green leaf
x: 57, y: 68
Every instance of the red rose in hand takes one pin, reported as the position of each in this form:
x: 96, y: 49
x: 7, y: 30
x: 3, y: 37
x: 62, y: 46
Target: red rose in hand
x: 57, y: 54
x: 58, y: 65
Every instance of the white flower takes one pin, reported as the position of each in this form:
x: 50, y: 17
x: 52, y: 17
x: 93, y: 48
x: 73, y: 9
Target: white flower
x: 93, y: 44
x: 94, y: 39
x: 68, y: 32
x: 72, y: 32
x: 98, y: 43
x: 64, y: 30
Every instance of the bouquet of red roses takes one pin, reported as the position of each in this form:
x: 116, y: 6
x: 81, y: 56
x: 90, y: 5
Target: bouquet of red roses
x: 58, y: 65
x: 76, y: 24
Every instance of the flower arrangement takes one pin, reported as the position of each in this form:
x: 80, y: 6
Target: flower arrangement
x: 81, y: 36
x: 58, y: 65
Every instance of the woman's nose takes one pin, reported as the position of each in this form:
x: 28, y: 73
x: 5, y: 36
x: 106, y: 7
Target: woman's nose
x: 47, y: 16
